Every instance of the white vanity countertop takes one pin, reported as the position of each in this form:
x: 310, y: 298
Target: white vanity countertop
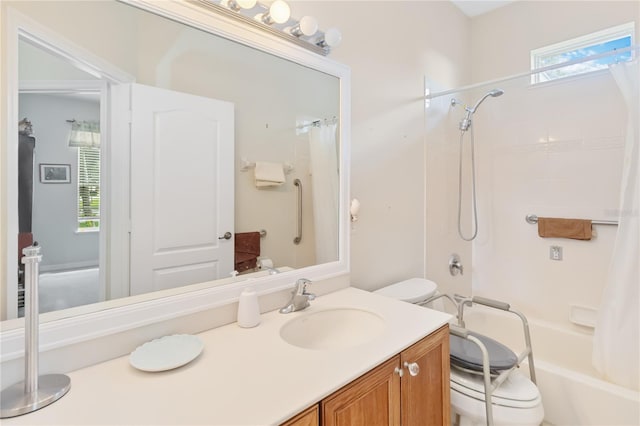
x: 243, y: 376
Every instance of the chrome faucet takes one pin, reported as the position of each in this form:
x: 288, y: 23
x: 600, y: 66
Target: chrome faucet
x: 299, y: 297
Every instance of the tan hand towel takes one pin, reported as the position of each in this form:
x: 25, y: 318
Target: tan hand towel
x: 576, y: 229
x: 269, y: 174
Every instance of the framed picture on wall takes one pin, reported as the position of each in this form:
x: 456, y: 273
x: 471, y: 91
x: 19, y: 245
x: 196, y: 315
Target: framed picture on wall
x: 55, y: 173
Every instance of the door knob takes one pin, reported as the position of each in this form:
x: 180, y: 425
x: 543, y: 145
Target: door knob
x: 226, y: 236
x: 413, y: 368
x: 398, y: 371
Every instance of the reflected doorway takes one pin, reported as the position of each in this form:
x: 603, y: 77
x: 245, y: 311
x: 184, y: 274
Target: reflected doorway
x: 59, y: 192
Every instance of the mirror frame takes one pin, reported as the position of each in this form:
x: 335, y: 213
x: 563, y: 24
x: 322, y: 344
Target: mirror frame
x: 71, y: 326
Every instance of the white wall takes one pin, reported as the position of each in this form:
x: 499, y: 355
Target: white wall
x: 551, y: 150
x: 55, y: 206
x: 391, y: 46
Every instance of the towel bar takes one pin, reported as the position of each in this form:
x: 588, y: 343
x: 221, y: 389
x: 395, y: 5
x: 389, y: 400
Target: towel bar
x: 246, y: 165
x: 533, y: 219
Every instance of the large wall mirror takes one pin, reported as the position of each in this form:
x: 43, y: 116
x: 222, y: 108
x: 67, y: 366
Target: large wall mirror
x: 155, y: 158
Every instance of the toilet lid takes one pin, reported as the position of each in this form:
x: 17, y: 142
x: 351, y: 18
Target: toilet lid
x: 412, y: 290
x: 516, y: 391
x: 467, y: 354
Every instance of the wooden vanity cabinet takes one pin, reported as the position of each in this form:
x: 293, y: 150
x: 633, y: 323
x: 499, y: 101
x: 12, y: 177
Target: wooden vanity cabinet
x: 410, y: 389
x: 309, y: 417
x: 373, y: 399
x: 426, y: 396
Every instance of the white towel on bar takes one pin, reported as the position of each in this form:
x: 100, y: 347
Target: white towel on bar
x: 269, y: 174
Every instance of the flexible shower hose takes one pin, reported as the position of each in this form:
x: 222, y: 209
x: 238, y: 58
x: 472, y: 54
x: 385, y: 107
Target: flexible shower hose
x: 473, y: 188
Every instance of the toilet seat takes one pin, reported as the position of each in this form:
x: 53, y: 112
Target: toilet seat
x: 413, y: 290
x: 517, y: 391
x: 467, y: 354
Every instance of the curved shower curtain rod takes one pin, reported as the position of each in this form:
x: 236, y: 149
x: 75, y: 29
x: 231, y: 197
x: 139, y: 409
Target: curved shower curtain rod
x: 635, y: 48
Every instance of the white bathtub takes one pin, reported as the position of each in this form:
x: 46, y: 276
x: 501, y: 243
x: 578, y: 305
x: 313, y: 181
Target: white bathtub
x: 572, y: 391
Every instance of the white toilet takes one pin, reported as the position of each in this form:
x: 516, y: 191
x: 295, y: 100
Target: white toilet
x: 413, y: 290
x: 516, y: 402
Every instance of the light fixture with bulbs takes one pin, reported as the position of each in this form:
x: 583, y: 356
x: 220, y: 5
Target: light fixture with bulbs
x: 276, y: 19
x: 237, y: 5
x: 307, y: 26
x: 332, y: 37
x: 279, y: 12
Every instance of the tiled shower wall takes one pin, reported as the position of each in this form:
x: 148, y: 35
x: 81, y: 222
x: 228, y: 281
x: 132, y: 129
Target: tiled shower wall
x: 553, y: 150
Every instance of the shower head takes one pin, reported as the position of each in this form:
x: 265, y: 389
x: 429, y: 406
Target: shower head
x: 493, y: 93
x: 466, y: 121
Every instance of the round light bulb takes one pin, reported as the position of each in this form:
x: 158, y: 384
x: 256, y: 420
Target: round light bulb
x: 332, y: 37
x: 279, y: 12
x: 246, y: 4
x: 308, y: 25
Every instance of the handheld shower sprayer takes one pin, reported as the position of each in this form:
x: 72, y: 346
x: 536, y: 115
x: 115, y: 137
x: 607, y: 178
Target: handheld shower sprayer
x: 466, y: 121
x: 465, y: 124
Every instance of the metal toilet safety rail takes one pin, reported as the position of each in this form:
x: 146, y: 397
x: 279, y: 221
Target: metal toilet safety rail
x: 459, y: 330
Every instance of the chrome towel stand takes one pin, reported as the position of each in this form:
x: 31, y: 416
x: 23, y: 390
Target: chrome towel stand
x: 35, y: 391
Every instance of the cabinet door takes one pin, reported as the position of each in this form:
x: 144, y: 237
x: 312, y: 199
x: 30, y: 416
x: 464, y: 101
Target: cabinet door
x: 425, y: 395
x: 309, y: 417
x: 373, y: 399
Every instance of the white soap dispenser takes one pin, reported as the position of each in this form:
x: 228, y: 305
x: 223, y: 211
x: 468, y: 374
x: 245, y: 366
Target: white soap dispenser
x: 248, y: 309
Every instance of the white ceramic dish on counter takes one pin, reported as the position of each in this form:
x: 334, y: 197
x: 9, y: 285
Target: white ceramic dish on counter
x: 166, y: 353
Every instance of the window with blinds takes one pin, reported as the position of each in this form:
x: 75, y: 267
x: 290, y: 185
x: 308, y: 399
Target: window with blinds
x: 88, y: 189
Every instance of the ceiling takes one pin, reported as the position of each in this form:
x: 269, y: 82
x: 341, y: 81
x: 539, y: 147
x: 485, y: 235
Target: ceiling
x: 473, y: 8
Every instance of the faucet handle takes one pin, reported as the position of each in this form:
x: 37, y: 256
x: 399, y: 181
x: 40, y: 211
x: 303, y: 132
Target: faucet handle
x: 299, y: 297
x: 455, y: 265
x: 301, y: 286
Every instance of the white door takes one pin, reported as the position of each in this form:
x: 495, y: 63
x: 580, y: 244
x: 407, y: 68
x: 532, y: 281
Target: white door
x: 182, y: 150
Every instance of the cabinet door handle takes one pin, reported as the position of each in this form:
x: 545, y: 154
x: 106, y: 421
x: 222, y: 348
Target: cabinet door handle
x: 399, y: 371
x: 413, y: 368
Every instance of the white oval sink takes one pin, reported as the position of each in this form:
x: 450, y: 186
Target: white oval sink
x: 332, y: 329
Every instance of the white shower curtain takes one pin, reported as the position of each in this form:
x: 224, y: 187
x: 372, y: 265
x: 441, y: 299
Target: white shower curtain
x: 615, y: 351
x: 325, y: 188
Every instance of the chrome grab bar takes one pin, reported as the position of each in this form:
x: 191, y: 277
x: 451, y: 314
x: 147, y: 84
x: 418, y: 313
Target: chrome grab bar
x: 298, y: 238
